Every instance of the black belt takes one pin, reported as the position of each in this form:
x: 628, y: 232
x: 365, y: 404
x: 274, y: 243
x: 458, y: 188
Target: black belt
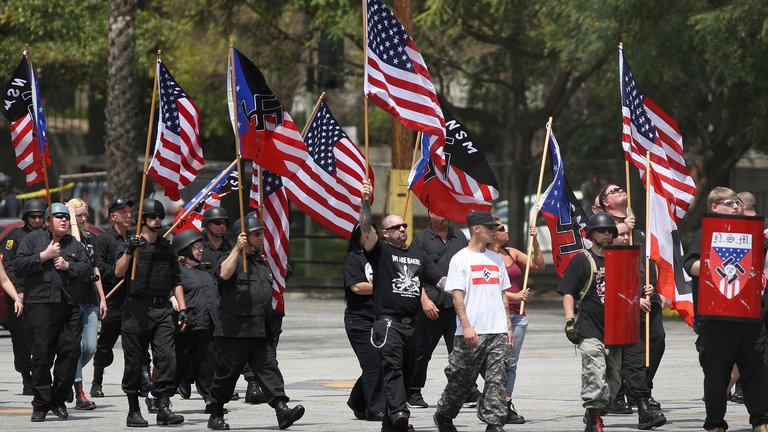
x: 157, y: 301
x: 397, y: 318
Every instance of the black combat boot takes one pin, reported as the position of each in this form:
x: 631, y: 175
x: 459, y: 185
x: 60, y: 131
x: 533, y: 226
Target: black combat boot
x: 287, y: 416
x: 594, y: 420
x: 216, y: 420
x: 98, y: 378
x: 134, y: 413
x: 253, y: 394
x: 164, y: 414
x: 443, y: 423
x: 648, y: 418
x: 146, y: 381
x: 512, y: 416
x: 185, y: 389
x: 153, y: 405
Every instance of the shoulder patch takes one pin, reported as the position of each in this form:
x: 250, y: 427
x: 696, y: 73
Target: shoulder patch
x: 9, y: 244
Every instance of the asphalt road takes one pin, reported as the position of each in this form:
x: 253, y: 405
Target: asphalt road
x: 319, y: 369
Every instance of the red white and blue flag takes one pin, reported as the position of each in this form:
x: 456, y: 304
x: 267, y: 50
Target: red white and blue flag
x: 221, y: 185
x: 396, y: 76
x: 647, y: 128
x: 465, y: 183
x: 562, y: 211
x: 23, y: 108
x: 276, y: 229
x: 178, y: 154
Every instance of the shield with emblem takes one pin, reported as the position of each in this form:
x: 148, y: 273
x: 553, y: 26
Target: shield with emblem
x: 731, y: 267
x: 622, y: 295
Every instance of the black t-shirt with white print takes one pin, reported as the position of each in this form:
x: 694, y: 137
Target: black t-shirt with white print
x: 591, y: 321
x: 397, y: 276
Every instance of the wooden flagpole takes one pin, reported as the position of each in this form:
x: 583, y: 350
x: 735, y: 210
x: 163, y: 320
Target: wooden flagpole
x: 629, y: 198
x: 365, y: 98
x: 413, y: 162
x: 36, y: 92
x: 146, y: 163
x: 536, y: 209
x: 647, y: 260
x: 217, y: 179
x: 238, y: 159
x: 312, y: 116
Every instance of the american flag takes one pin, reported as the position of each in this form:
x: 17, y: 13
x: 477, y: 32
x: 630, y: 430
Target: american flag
x: 221, y: 185
x: 396, y: 76
x: 23, y: 108
x: 276, y: 230
x: 334, y: 160
x: 648, y: 128
x: 178, y: 154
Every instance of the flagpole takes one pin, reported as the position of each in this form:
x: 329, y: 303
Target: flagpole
x: 629, y: 197
x: 237, y: 142
x: 42, y: 154
x: 531, y: 239
x: 312, y: 116
x: 647, y: 260
x: 413, y: 162
x: 146, y: 162
x: 365, y: 98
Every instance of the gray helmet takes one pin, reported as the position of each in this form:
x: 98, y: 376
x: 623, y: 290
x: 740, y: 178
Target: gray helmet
x: 602, y: 220
x: 153, y: 206
x: 6, y: 183
x: 252, y: 223
x: 184, y: 239
x: 56, y: 208
x: 214, y: 213
x: 33, y: 206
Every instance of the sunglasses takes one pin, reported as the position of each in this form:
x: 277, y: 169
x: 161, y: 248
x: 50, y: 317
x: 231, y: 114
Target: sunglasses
x: 61, y: 216
x: 730, y: 203
x: 153, y: 216
x: 492, y: 227
x: 36, y: 216
x: 397, y: 227
x: 501, y: 228
x: 602, y: 230
x: 219, y: 222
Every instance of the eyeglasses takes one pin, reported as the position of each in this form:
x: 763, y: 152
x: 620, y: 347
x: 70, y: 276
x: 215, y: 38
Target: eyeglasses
x: 153, y: 216
x: 36, y: 216
x: 397, y: 227
x: 61, y: 216
x: 730, y: 203
x: 219, y: 222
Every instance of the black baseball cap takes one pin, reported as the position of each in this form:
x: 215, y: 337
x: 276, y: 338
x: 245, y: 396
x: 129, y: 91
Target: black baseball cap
x: 118, y: 204
x: 479, y: 218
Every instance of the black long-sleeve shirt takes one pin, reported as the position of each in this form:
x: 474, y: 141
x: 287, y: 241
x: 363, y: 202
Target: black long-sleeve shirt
x: 437, y: 259
x: 10, y: 246
x: 104, y: 247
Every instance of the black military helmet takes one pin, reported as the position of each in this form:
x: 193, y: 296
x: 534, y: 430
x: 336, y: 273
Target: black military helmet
x: 252, y: 223
x: 185, y: 239
x: 33, y: 206
x: 214, y: 213
x: 6, y: 183
x: 602, y: 220
x: 153, y: 206
x: 57, y: 208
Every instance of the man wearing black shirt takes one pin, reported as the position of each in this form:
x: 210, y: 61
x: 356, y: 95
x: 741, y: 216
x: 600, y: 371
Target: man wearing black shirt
x: 33, y: 218
x: 439, y: 242
x: 600, y: 367
x: 723, y: 343
x: 49, y: 263
x: 397, y: 296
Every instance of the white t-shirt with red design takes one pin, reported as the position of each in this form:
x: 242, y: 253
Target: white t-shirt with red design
x: 483, y: 278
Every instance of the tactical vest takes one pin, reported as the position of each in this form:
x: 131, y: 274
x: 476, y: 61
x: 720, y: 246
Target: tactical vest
x: 253, y: 292
x: 154, y: 271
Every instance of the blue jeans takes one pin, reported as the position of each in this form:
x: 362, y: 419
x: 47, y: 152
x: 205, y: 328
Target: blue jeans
x: 519, y: 327
x: 88, y: 339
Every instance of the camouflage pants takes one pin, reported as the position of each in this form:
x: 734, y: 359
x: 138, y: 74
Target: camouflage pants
x: 600, y: 373
x: 464, y: 365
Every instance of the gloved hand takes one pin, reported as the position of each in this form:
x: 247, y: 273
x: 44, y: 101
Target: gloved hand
x: 183, y: 318
x: 571, y: 333
x: 133, y: 242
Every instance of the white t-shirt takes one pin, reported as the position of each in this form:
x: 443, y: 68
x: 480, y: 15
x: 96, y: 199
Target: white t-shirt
x: 483, y: 278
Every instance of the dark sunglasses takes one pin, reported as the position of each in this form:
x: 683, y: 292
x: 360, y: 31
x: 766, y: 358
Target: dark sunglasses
x: 397, y: 227
x: 219, y: 222
x: 153, y: 216
x: 500, y: 228
x: 602, y: 230
x: 35, y: 216
x: 61, y: 216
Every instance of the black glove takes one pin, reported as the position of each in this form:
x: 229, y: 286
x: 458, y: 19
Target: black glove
x: 571, y: 333
x: 133, y: 242
x: 182, y: 317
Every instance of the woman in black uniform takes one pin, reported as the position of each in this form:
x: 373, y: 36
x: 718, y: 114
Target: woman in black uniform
x: 366, y: 398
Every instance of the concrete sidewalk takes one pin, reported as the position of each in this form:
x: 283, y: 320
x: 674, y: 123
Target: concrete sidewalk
x: 319, y: 369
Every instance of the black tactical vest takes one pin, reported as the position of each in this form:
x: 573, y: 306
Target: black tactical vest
x: 154, y: 271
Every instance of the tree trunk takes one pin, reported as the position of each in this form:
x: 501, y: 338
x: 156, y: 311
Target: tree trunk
x: 122, y: 110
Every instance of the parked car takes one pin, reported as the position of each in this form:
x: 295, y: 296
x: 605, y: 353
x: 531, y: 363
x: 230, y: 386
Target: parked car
x: 6, y: 225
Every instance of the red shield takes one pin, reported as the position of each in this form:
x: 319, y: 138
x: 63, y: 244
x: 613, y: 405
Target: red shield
x: 622, y: 295
x: 731, y: 267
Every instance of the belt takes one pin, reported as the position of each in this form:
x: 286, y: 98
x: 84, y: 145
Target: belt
x: 397, y: 318
x: 157, y: 301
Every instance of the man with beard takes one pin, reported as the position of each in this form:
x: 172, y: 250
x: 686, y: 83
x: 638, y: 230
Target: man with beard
x: 33, y: 217
x: 147, y: 313
x: 438, y: 243
x: 397, y: 296
x: 49, y: 263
